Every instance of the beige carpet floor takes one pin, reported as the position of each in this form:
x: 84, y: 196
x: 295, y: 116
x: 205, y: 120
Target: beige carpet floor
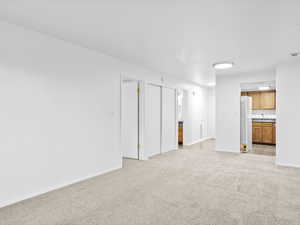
x: 192, y: 186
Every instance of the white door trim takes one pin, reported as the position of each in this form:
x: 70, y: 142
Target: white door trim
x: 141, y: 155
x: 161, y: 108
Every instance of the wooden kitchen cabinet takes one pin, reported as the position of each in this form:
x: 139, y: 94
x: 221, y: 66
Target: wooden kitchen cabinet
x: 262, y: 100
x: 274, y: 134
x: 180, y: 134
x: 267, y: 133
x: 268, y: 100
x: 256, y: 99
x: 263, y: 133
x: 256, y: 133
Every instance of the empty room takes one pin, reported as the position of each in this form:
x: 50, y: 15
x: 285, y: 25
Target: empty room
x: 149, y: 112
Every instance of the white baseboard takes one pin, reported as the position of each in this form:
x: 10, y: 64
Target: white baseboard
x: 287, y: 165
x: 228, y: 150
x: 198, y: 141
x: 53, y: 188
x: 143, y: 158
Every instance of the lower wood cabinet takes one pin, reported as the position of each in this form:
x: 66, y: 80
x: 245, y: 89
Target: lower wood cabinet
x: 267, y: 133
x: 264, y: 133
x: 274, y: 133
x: 180, y: 133
x: 256, y: 132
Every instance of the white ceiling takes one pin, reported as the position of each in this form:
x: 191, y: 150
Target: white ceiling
x: 179, y: 38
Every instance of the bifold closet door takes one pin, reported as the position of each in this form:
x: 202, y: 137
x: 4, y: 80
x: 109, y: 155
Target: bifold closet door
x: 153, y: 120
x: 169, y: 120
x: 130, y: 118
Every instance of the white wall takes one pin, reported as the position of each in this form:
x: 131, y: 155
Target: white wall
x: 59, y: 112
x: 288, y: 120
x: 195, y: 113
x: 212, y: 112
x: 228, y: 107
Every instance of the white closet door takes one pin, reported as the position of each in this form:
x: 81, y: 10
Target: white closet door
x: 153, y: 120
x: 169, y: 120
x: 130, y: 119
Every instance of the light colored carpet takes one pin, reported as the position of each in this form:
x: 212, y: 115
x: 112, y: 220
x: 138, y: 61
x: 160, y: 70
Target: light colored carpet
x: 193, y: 186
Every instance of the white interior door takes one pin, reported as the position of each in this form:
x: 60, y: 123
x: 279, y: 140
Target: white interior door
x: 169, y: 126
x: 153, y: 120
x: 130, y: 118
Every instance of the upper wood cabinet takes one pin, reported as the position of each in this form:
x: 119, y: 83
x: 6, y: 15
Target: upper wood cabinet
x: 256, y: 99
x: 262, y: 99
x: 268, y: 100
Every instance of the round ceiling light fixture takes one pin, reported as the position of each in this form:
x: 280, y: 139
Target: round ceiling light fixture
x: 211, y: 84
x: 295, y: 54
x: 223, y: 65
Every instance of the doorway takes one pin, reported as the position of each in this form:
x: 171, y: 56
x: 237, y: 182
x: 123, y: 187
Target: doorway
x: 258, y: 118
x: 130, y: 108
x: 160, y: 119
x: 169, y: 119
x: 180, y: 106
x: 153, y: 120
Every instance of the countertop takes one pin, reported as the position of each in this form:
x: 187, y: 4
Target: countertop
x: 264, y: 118
x: 271, y: 117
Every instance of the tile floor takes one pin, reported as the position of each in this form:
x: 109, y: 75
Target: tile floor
x: 269, y: 150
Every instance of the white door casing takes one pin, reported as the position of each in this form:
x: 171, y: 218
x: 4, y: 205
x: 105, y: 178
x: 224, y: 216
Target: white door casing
x: 169, y: 119
x: 153, y: 120
x: 130, y: 119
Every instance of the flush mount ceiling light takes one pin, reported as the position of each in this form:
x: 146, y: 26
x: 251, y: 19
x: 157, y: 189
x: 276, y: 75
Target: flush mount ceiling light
x: 295, y: 54
x: 211, y: 84
x: 264, y: 88
x: 223, y: 65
